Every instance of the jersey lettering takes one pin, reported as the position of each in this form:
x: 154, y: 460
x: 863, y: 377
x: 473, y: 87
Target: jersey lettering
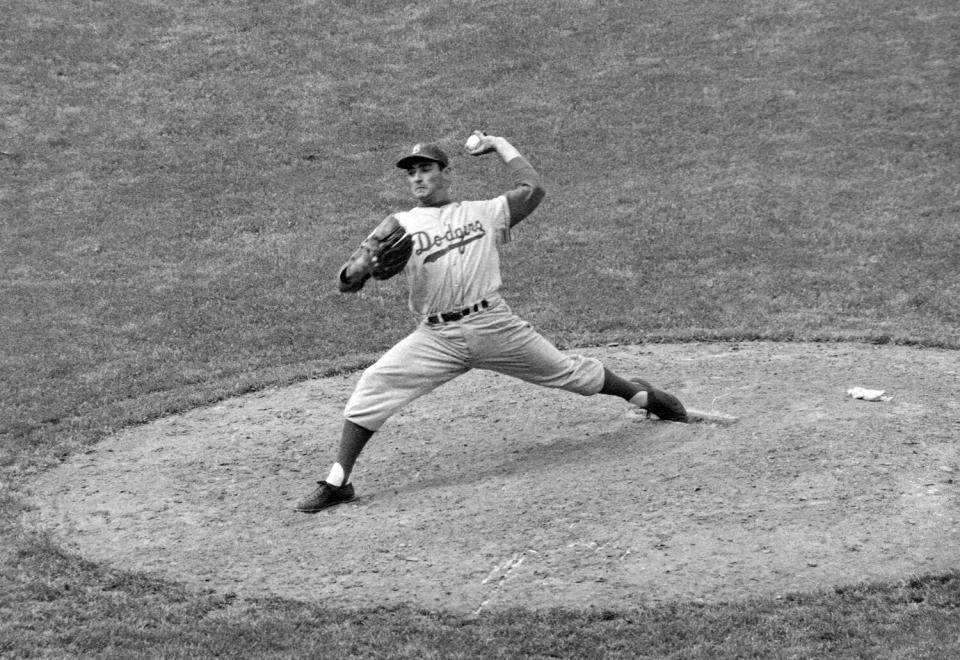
x: 455, y: 238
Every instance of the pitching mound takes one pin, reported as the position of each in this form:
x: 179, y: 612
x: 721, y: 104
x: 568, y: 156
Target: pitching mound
x: 491, y: 493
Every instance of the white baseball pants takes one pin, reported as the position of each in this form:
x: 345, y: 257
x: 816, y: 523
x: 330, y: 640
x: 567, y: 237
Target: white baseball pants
x: 494, y: 339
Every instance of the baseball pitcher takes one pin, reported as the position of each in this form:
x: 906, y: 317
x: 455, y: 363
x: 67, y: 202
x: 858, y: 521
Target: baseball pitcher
x: 449, y: 252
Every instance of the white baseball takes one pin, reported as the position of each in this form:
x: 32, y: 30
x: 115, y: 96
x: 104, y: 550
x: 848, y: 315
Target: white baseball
x: 473, y: 142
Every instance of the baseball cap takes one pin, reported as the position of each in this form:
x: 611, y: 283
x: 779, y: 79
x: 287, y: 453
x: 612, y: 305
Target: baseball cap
x: 424, y: 152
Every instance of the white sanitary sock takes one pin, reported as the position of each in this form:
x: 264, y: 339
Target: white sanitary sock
x: 335, y: 478
x: 640, y: 399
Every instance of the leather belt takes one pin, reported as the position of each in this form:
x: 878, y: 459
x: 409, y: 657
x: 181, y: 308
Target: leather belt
x: 447, y: 317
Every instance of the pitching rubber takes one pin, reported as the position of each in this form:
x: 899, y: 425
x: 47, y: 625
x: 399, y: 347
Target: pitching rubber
x: 704, y: 417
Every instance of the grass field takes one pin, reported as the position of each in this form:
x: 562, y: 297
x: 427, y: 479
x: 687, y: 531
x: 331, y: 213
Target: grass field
x: 181, y: 180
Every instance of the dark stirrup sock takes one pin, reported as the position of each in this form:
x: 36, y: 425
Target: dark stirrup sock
x: 352, y: 441
x: 617, y: 386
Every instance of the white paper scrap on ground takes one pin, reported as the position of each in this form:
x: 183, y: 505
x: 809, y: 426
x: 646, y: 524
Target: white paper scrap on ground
x: 868, y: 395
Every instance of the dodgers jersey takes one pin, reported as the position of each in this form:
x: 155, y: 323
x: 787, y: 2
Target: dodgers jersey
x: 456, y: 260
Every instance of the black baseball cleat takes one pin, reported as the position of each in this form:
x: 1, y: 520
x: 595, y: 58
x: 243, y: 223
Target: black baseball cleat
x: 665, y: 406
x: 326, y: 495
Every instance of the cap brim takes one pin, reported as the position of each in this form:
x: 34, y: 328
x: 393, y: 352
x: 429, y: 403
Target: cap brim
x: 407, y: 161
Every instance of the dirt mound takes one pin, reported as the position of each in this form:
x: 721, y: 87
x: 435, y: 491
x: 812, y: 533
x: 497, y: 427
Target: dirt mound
x: 491, y: 493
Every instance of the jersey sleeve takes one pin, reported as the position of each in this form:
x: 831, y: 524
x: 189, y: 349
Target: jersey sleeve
x: 528, y: 191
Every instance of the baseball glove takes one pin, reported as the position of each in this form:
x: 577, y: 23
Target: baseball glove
x: 391, y: 253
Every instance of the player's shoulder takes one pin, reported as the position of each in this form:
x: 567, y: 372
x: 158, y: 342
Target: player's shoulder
x: 481, y: 205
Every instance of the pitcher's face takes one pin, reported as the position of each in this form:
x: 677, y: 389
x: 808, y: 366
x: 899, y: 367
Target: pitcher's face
x: 428, y: 182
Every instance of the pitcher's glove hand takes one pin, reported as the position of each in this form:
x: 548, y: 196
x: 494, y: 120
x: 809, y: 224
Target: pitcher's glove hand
x: 389, y: 253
